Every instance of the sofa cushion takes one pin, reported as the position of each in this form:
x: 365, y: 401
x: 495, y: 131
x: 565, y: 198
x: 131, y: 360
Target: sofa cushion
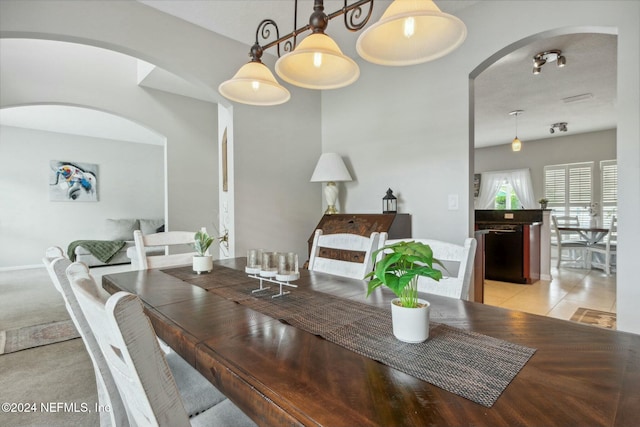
x: 150, y: 226
x: 121, y: 229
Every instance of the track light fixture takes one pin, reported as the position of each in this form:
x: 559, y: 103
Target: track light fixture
x: 516, y: 144
x: 409, y: 32
x: 541, y: 58
x: 562, y: 127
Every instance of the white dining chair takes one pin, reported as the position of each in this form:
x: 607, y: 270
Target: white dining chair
x: 458, y: 262
x: 607, y: 248
x: 137, y: 364
x: 577, y: 249
x: 356, y: 267
x: 168, y: 239
x: 197, y: 392
x: 568, y: 221
x: 108, y: 395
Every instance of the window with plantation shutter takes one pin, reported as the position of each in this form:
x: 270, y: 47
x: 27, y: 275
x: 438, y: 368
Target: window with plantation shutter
x: 580, y: 185
x: 609, y: 185
x: 569, y: 189
x: 555, y: 185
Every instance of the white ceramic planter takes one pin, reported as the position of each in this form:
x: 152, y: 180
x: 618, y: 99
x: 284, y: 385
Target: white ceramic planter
x: 410, y: 324
x: 202, y: 263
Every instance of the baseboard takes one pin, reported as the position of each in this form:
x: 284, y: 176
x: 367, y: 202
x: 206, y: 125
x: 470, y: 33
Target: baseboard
x: 22, y: 267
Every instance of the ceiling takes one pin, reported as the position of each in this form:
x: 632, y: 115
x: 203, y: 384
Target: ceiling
x: 78, y: 121
x: 509, y: 84
x: 505, y: 86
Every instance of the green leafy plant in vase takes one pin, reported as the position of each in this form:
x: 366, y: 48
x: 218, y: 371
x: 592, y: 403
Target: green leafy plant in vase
x: 398, y: 270
x: 202, y: 261
x: 543, y: 203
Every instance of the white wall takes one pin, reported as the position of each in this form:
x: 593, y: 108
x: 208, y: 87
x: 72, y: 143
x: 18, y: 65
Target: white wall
x: 536, y: 154
x: 263, y: 137
x: 29, y: 222
x: 410, y: 128
x: 41, y: 71
x: 406, y: 128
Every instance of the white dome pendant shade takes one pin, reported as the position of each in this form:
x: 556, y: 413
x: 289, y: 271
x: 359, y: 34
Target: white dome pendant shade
x: 411, y: 32
x: 317, y: 63
x: 254, y: 84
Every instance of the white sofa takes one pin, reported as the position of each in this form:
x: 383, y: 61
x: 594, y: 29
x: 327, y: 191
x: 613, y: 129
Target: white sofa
x: 122, y: 230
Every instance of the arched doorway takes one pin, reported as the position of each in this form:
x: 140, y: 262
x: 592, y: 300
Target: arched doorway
x: 543, y: 148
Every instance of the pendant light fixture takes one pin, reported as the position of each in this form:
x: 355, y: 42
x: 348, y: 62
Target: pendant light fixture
x: 411, y: 32
x: 516, y: 144
x: 254, y: 84
x: 318, y: 62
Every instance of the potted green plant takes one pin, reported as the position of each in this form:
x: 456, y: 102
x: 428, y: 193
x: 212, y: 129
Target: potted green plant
x: 543, y: 203
x: 399, y: 269
x: 202, y: 261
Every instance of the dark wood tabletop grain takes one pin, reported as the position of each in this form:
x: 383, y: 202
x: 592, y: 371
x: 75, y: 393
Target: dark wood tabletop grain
x: 279, y: 375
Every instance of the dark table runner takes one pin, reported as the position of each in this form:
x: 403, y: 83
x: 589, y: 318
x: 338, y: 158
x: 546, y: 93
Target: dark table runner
x: 474, y: 366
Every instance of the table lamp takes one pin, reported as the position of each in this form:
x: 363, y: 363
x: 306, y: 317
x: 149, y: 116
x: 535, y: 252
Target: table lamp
x: 330, y: 168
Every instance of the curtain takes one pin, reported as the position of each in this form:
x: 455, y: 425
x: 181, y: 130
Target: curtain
x: 490, y: 183
x: 520, y: 180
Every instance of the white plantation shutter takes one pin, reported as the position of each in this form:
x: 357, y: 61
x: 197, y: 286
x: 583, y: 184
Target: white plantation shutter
x: 555, y: 185
x: 580, y: 185
x: 609, y: 200
x: 569, y: 189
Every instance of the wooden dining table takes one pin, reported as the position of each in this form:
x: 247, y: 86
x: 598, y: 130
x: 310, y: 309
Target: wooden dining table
x: 591, y: 235
x: 283, y: 375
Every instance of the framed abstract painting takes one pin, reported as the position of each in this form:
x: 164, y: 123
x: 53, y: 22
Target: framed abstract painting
x: 73, y: 181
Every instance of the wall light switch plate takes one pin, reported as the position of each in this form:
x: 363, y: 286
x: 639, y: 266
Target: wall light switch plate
x: 453, y: 202
x: 508, y: 216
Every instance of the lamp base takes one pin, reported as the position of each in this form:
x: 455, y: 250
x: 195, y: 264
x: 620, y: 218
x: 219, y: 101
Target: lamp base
x: 331, y: 209
x: 331, y: 194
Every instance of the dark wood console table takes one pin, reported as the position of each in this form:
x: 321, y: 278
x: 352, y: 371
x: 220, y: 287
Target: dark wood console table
x: 397, y: 226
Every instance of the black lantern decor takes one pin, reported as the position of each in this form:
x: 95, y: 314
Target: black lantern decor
x: 389, y: 203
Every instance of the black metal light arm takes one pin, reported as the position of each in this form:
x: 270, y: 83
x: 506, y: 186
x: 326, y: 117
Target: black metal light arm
x: 353, y: 21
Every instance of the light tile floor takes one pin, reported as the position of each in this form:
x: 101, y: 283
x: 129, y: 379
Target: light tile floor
x: 570, y: 289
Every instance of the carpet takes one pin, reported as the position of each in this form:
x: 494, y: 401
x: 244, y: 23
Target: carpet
x: 32, y: 312
x: 603, y: 319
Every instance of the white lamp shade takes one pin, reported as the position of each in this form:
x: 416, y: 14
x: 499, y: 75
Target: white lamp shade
x: 254, y: 84
x: 411, y: 32
x: 330, y: 167
x: 317, y: 63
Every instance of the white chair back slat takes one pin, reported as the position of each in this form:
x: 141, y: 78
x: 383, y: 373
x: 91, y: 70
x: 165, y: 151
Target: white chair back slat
x: 167, y: 239
x: 161, y: 261
x: 457, y: 284
x: 612, y: 236
x: 608, y: 248
x: 343, y: 241
x: 339, y: 267
x: 131, y: 349
x: 108, y: 395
